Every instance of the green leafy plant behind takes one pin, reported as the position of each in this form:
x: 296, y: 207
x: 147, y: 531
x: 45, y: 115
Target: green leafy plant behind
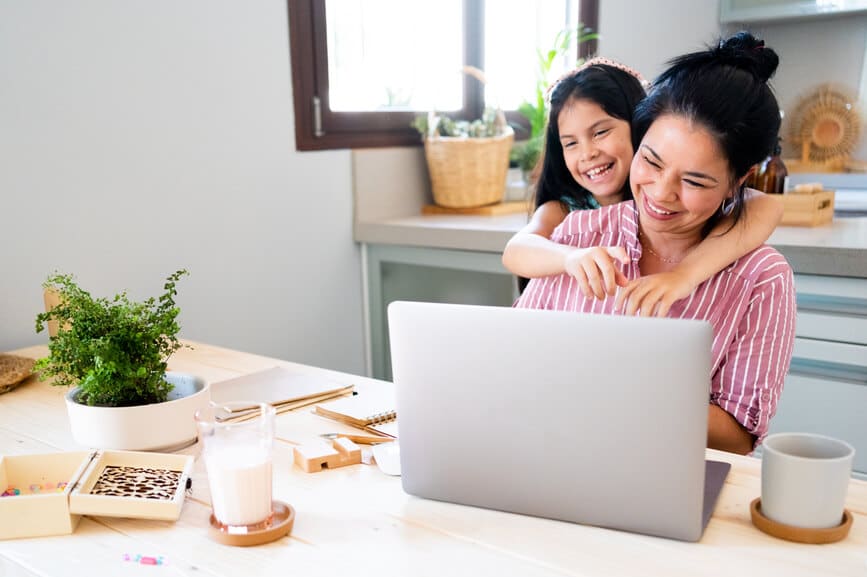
x: 536, y: 110
x: 115, y: 350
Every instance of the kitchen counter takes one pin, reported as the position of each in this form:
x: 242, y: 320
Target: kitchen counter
x: 837, y: 249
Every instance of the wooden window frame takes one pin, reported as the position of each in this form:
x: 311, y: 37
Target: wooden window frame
x: 319, y: 128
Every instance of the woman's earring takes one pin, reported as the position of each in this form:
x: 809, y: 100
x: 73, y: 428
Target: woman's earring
x: 728, y: 205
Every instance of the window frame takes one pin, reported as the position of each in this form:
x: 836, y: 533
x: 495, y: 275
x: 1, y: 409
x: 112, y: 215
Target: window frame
x: 319, y: 128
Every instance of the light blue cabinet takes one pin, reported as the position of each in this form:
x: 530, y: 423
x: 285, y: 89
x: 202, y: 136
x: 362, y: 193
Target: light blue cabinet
x: 826, y: 390
x: 431, y: 275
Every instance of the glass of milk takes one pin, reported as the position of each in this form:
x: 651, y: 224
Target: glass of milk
x: 237, y: 441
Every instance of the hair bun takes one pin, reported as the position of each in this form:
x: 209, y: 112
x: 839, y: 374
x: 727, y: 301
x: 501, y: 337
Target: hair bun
x: 745, y: 51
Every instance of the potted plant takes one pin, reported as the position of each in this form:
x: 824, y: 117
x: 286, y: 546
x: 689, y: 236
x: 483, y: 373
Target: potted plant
x: 114, y: 353
x: 467, y: 160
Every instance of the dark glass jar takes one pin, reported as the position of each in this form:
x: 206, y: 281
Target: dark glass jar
x: 770, y: 176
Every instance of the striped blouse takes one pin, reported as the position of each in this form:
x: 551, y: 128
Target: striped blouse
x: 750, y: 304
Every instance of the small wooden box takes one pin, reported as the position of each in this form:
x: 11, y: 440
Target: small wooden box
x: 107, y: 483
x: 810, y: 209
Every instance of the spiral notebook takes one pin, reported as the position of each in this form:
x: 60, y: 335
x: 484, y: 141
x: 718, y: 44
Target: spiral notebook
x: 374, y: 412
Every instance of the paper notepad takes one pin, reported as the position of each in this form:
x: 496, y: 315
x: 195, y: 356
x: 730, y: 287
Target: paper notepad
x: 277, y: 386
x: 364, y: 410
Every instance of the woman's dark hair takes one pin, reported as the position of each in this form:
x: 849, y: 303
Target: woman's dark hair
x: 617, y: 92
x: 724, y: 89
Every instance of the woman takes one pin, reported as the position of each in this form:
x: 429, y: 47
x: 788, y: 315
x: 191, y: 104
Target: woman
x: 707, y: 121
x: 589, y: 150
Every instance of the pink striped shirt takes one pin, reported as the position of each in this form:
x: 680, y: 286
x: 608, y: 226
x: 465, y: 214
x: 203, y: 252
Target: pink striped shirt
x: 750, y: 304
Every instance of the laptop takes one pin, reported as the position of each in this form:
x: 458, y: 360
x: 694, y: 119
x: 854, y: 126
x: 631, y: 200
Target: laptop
x: 592, y: 419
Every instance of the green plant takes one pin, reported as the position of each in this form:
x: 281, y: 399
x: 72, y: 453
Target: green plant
x: 115, y: 350
x: 485, y: 127
x: 536, y: 110
x: 492, y: 123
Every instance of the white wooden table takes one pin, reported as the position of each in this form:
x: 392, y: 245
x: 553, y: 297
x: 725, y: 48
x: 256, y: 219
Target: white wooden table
x: 357, y: 520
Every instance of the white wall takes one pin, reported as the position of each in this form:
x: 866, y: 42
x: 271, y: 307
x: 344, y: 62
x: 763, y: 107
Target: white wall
x: 645, y: 35
x: 812, y: 52
x: 143, y: 136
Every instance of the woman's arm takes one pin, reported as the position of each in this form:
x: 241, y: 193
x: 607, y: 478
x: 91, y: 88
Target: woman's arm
x: 654, y: 294
x: 726, y: 434
x: 749, y: 380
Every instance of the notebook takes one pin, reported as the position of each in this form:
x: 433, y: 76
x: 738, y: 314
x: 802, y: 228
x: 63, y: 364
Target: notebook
x: 369, y: 410
x: 278, y: 386
x: 592, y: 419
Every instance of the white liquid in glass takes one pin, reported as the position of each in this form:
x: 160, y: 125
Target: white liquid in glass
x: 240, y: 482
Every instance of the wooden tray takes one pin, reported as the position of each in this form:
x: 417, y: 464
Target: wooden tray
x: 512, y: 207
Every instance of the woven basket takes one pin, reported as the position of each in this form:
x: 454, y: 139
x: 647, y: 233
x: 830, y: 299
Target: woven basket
x: 468, y: 172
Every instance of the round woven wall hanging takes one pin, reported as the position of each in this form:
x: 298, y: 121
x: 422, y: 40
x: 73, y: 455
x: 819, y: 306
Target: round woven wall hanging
x: 825, y: 126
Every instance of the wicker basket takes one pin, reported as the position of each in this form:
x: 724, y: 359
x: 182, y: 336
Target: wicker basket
x: 468, y: 172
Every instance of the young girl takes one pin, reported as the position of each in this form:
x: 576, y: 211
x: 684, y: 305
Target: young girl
x: 588, y: 152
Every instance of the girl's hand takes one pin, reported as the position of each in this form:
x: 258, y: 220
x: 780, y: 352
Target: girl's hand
x: 596, y: 270
x: 654, y: 294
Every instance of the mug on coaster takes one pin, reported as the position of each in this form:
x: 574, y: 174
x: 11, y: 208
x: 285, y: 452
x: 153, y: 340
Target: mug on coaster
x: 804, y: 479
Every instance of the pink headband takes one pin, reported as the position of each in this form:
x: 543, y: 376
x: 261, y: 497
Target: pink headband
x: 594, y: 62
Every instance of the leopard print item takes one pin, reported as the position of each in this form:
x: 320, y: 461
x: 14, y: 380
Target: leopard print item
x: 140, y: 482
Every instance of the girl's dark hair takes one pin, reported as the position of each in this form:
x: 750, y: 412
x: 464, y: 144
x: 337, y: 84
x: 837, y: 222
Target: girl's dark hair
x: 617, y: 92
x: 725, y: 90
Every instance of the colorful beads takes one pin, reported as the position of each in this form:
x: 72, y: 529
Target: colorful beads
x: 35, y: 489
x: 144, y: 559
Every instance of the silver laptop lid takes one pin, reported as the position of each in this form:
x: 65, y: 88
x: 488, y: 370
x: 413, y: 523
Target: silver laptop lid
x: 592, y: 419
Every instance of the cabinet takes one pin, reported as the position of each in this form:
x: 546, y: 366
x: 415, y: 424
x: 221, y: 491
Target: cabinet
x: 825, y: 391
x: 430, y: 275
x: 774, y: 10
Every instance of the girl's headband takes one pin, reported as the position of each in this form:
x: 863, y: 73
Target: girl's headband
x: 594, y: 62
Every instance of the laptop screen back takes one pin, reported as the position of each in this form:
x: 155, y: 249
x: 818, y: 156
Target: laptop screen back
x: 592, y: 419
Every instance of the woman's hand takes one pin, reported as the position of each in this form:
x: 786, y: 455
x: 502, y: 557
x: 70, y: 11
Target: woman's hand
x: 654, y: 294
x: 596, y: 270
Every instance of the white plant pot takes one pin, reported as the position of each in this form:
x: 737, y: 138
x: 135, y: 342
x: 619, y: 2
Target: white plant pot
x: 164, y: 426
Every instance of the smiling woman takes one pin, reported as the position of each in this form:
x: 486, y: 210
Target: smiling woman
x: 362, y: 69
x: 680, y: 180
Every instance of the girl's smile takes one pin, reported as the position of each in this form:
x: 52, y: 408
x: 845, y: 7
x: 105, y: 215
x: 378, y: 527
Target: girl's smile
x: 597, y: 149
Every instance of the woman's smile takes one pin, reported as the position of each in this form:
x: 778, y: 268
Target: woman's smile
x: 656, y: 211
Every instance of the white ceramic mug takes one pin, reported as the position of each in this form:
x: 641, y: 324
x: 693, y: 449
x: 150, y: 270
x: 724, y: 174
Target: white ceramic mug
x: 238, y: 459
x: 804, y: 479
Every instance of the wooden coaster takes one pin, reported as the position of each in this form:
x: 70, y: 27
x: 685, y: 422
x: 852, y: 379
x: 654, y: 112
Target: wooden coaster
x: 280, y: 524
x: 799, y: 534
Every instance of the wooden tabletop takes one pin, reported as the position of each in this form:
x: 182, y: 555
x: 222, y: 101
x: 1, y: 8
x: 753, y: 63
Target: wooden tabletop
x: 357, y: 520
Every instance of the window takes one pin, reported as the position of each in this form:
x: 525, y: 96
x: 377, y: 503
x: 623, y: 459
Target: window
x: 363, y: 69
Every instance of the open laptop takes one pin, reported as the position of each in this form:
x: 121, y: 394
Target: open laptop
x: 592, y: 419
